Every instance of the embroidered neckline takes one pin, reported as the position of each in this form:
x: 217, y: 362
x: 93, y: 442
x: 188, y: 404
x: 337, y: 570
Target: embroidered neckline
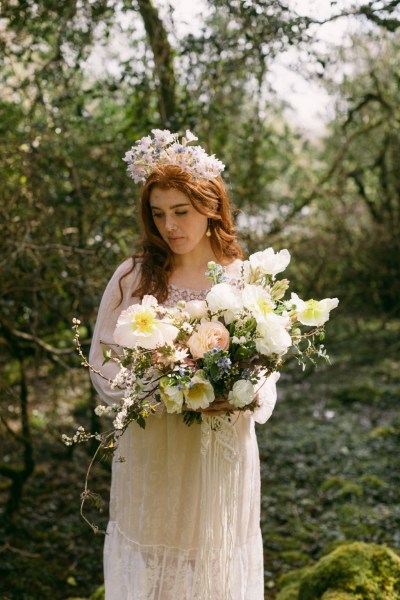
x: 187, y: 289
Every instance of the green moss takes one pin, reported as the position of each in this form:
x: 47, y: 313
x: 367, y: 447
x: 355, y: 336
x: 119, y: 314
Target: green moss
x: 290, y: 592
x: 340, y: 596
x: 371, y: 480
x: 292, y: 577
x: 383, y: 432
x: 356, y: 571
x: 342, y: 488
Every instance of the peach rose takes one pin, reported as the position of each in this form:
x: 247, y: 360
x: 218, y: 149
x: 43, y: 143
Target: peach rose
x: 208, y: 335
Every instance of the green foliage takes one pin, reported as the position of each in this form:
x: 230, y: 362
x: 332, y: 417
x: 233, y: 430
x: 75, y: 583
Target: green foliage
x: 356, y: 571
x: 342, y: 488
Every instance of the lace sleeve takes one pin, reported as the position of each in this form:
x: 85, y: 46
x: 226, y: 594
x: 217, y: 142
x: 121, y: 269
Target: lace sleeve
x: 107, y: 317
x: 266, y: 390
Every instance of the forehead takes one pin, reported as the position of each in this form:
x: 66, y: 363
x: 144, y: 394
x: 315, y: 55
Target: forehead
x: 164, y: 199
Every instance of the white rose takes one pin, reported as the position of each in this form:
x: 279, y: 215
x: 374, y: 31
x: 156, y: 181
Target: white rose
x: 313, y: 312
x: 269, y: 263
x: 208, y: 335
x: 242, y: 393
x: 196, y: 309
x: 224, y: 298
x: 274, y: 338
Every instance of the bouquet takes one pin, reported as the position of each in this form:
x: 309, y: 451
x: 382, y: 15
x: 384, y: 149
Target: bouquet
x: 204, y: 355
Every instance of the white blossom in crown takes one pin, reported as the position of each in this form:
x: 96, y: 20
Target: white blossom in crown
x: 164, y: 148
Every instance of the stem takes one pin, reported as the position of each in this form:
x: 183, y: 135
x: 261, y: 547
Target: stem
x: 86, y: 492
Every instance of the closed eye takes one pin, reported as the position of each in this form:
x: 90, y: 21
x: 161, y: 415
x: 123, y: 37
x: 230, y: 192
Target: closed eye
x: 182, y: 213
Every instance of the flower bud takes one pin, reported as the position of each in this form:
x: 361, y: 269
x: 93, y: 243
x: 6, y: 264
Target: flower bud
x: 278, y: 290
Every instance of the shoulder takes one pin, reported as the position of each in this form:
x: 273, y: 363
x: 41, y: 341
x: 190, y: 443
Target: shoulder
x: 127, y: 274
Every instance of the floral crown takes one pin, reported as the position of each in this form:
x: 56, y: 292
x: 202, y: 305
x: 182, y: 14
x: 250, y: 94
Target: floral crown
x: 163, y: 148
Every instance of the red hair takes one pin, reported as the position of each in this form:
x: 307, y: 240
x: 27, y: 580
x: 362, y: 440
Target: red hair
x: 208, y: 197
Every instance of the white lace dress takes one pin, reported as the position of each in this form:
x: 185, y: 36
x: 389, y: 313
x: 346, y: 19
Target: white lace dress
x: 185, y: 504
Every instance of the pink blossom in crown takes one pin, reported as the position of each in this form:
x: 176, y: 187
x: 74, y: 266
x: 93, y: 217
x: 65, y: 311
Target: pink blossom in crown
x: 164, y: 148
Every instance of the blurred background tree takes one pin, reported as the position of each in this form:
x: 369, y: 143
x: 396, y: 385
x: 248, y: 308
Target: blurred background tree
x: 81, y: 81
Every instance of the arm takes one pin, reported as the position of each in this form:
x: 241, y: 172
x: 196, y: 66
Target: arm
x: 266, y: 392
x: 107, y: 317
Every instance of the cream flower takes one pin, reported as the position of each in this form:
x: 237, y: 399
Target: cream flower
x: 196, y: 309
x: 242, y: 393
x: 313, y: 312
x: 138, y: 325
x: 171, y: 395
x: 224, y: 298
x: 199, y: 393
x: 170, y: 356
x: 273, y: 336
x: 257, y: 300
x: 266, y: 262
x: 208, y: 335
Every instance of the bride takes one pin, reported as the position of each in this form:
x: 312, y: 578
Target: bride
x: 185, y: 502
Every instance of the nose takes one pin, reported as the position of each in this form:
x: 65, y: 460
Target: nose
x: 170, y: 224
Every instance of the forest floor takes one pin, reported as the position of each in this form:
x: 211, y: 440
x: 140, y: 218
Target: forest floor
x: 330, y: 466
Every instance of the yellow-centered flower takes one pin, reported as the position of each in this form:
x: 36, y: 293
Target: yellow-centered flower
x: 139, y: 325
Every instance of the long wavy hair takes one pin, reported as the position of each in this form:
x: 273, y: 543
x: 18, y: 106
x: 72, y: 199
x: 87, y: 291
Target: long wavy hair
x: 208, y: 197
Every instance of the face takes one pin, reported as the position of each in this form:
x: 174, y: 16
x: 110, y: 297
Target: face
x: 180, y: 225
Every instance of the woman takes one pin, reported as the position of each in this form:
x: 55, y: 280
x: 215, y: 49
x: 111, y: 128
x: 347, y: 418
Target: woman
x: 180, y: 528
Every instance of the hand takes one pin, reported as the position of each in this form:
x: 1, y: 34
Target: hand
x: 217, y: 408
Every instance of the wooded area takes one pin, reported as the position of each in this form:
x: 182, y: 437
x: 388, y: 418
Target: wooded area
x: 70, y: 106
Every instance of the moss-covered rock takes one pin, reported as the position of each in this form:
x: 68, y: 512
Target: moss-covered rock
x: 289, y: 592
x: 338, y: 596
x: 356, y: 571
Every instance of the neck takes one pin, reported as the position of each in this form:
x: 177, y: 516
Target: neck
x: 198, y: 258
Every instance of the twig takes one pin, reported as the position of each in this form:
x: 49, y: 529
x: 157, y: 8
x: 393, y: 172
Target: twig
x: 86, y: 492
x: 8, y: 546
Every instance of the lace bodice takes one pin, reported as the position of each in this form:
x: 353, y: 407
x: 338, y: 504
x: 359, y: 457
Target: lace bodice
x: 176, y: 293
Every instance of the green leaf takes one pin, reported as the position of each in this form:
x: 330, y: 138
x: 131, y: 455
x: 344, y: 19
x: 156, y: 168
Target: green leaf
x: 107, y: 356
x: 141, y: 421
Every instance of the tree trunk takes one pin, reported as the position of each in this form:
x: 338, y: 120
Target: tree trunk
x: 19, y: 475
x: 163, y: 60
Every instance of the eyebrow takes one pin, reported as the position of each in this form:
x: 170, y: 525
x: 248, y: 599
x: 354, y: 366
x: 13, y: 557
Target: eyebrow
x: 174, y: 206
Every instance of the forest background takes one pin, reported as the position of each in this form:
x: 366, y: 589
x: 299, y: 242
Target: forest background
x: 80, y: 82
